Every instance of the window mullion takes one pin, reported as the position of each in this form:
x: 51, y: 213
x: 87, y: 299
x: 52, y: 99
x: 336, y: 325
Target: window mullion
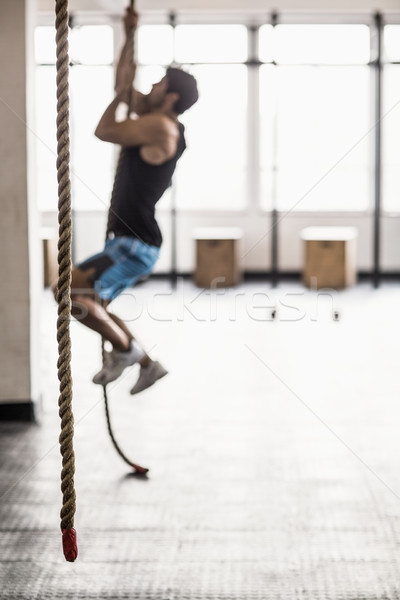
x: 253, y: 122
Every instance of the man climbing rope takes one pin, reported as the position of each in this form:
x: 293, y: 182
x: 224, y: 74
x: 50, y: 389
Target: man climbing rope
x: 152, y: 141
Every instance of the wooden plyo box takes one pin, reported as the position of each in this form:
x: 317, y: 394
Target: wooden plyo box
x: 50, y: 252
x: 330, y: 255
x: 217, y: 257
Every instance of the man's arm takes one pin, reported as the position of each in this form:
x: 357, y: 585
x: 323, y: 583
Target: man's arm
x: 139, y: 103
x: 126, y: 68
x: 156, y: 133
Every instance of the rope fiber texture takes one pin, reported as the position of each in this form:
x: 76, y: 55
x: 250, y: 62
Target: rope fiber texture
x: 137, y: 468
x: 63, y: 295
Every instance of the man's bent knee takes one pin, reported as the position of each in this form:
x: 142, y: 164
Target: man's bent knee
x: 81, y: 286
x: 81, y: 282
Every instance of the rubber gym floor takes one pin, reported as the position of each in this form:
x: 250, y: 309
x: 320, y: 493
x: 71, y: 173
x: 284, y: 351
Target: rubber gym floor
x: 273, y: 447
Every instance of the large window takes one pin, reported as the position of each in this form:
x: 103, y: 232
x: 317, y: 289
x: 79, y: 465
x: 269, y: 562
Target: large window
x: 289, y: 125
x: 314, y: 129
x: 155, y: 45
x: 391, y: 120
x: 212, y: 174
x: 91, y: 87
x: 315, y: 105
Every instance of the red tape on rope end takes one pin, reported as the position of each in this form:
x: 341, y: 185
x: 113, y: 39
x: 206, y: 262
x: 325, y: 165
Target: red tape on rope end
x: 70, y: 547
x: 140, y: 470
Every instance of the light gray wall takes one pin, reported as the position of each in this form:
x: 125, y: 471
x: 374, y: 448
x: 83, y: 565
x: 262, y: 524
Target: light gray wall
x: 267, y: 5
x: 17, y: 299
x: 115, y: 6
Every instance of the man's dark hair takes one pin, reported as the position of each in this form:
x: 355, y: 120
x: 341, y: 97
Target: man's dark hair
x: 184, y: 84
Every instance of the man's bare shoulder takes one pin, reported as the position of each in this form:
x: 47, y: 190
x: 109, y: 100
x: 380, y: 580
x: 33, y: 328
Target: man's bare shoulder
x: 159, y: 122
x: 163, y: 142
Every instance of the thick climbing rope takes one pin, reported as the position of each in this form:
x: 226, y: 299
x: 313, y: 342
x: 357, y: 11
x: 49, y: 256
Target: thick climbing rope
x: 112, y: 216
x: 136, y: 468
x: 64, y: 286
x: 63, y: 295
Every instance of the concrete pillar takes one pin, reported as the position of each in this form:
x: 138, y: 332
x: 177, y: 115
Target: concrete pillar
x: 20, y: 265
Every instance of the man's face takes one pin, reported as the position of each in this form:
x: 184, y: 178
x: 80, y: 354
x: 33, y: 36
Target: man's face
x: 158, y: 92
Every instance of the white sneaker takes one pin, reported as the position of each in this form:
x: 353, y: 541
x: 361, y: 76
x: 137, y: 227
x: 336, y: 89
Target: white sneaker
x: 148, y: 375
x: 115, y: 362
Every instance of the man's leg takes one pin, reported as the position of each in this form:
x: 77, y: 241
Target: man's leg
x: 121, y: 324
x: 150, y: 370
x: 92, y: 311
x: 86, y: 308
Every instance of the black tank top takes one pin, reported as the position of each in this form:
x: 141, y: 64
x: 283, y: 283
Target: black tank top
x: 138, y: 186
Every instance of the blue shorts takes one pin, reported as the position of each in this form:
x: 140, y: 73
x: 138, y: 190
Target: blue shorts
x: 123, y: 262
